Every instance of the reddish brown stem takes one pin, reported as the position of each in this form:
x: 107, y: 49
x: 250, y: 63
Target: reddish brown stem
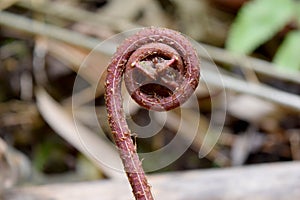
x: 161, y: 72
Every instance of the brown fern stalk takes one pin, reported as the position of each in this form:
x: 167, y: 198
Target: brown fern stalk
x: 161, y: 72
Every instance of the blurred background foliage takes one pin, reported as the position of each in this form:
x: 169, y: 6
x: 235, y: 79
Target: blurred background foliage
x: 260, y: 21
x: 39, y: 66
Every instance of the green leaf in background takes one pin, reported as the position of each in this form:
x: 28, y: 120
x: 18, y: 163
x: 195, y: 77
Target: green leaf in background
x: 288, y: 55
x: 41, y: 154
x: 257, y: 22
x: 297, y: 10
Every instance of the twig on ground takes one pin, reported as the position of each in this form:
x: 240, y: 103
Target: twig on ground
x: 61, y: 34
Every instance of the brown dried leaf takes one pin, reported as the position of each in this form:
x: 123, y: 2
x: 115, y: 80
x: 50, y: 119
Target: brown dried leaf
x: 99, y: 151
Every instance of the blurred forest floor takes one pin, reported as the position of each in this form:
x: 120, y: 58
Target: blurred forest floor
x: 43, y: 44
